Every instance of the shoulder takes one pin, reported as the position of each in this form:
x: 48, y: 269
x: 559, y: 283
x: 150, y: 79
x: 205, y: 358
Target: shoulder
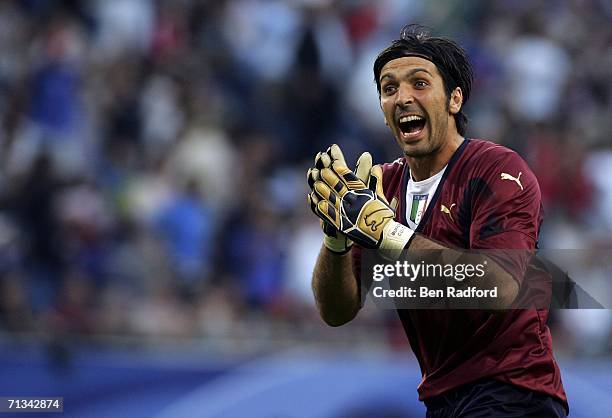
x: 497, y: 163
x: 393, y: 176
x: 487, y: 155
x: 393, y: 171
x: 503, y: 171
x: 394, y: 168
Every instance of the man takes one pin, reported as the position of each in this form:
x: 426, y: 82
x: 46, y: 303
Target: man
x: 447, y: 191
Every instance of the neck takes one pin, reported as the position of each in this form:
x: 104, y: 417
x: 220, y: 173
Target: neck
x: 422, y: 168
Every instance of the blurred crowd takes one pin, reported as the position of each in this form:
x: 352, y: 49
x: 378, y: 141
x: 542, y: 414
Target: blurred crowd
x: 153, y: 153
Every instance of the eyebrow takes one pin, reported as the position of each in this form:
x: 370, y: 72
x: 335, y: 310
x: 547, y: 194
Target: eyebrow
x: 409, y: 74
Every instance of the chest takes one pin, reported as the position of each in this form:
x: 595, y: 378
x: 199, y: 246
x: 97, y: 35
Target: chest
x: 449, y: 210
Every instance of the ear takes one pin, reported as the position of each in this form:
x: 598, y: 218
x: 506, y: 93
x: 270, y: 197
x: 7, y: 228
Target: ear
x: 456, y: 99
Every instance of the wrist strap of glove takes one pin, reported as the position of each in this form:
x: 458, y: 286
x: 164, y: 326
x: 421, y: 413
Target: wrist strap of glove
x: 395, y: 238
x: 340, y: 245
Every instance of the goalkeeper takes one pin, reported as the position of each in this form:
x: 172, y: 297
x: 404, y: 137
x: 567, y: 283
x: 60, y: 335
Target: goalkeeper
x: 446, y: 191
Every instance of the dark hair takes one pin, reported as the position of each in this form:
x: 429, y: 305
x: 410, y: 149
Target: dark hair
x: 450, y: 59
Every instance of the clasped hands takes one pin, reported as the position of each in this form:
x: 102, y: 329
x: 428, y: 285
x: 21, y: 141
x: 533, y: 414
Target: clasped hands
x: 352, y: 205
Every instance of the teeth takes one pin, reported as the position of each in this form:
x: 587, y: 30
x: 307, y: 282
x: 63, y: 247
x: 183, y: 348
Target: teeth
x: 409, y: 118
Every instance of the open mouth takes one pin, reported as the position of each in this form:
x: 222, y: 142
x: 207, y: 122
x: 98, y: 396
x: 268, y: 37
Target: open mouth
x: 411, y: 125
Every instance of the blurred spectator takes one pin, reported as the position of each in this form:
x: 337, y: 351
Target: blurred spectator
x: 256, y: 251
x: 302, y: 251
x: 262, y: 35
x: 203, y: 154
x: 599, y: 162
x: 123, y: 26
x: 33, y: 202
x: 537, y: 70
x: 156, y: 150
x: 161, y: 114
x: 15, y: 309
x: 186, y: 226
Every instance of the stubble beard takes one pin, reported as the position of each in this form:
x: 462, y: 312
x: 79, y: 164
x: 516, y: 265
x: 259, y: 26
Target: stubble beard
x: 433, y: 144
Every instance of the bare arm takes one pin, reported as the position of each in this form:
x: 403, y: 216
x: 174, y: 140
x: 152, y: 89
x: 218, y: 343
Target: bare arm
x: 335, y: 288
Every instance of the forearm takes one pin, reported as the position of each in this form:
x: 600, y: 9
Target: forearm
x: 495, y: 275
x: 335, y: 288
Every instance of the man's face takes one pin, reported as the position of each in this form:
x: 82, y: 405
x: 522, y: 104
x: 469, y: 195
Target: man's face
x: 415, y: 105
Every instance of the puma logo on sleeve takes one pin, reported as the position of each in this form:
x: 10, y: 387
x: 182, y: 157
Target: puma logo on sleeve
x: 517, y: 179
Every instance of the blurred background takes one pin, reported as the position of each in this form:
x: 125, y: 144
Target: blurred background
x: 155, y: 242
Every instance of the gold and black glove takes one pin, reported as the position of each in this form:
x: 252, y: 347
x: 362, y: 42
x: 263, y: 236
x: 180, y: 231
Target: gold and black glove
x: 355, y: 207
x: 334, y: 240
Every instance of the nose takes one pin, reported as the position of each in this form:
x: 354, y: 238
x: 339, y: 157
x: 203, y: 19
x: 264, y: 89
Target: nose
x: 404, y: 96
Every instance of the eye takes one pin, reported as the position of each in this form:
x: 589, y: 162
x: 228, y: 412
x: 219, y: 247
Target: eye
x: 389, y: 89
x: 419, y: 84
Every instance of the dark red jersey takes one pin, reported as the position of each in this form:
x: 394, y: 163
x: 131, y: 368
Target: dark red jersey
x: 488, y: 198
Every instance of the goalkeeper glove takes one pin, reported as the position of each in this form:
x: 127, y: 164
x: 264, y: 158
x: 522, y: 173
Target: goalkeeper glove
x: 333, y: 239
x: 358, y: 210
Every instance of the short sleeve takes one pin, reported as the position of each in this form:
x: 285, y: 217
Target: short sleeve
x: 508, y: 215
